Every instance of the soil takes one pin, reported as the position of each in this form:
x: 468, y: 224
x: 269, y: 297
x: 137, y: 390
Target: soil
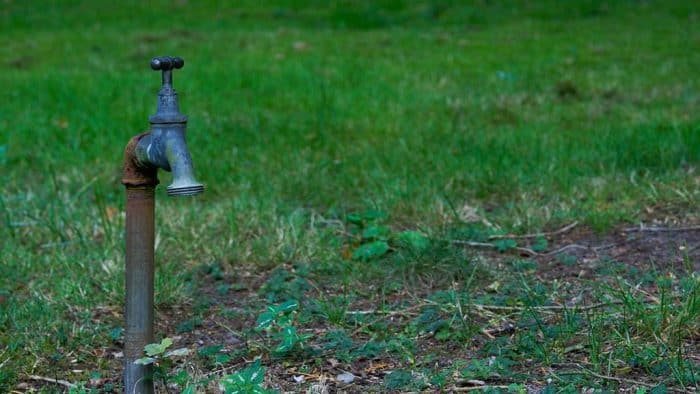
x: 576, y: 254
x: 654, y: 248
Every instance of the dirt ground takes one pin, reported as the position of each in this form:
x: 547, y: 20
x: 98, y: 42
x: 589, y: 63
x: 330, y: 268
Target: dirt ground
x: 653, y: 248
x: 597, y: 257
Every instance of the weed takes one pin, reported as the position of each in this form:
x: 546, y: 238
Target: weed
x: 163, y: 362
x: 280, y: 322
x: 247, y: 380
x: 400, y: 380
x: 333, y: 309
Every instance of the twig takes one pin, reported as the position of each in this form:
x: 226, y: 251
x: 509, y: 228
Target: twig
x: 475, y: 388
x: 545, y: 308
x: 535, y: 235
x: 406, y: 312
x: 537, y: 308
x: 491, y: 332
x: 567, y: 247
x: 603, y: 247
x: 64, y: 383
x: 527, y: 251
x: 227, y: 368
x: 227, y: 328
x: 661, y: 229
x: 2, y: 364
x: 585, y: 371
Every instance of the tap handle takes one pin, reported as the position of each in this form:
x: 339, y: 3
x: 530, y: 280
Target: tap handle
x: 166, y: 63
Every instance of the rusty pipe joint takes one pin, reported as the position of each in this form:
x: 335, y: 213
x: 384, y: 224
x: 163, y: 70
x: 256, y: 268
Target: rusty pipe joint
x: 164, y: 146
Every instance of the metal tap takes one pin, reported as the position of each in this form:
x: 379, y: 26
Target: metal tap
x: 163, y: 147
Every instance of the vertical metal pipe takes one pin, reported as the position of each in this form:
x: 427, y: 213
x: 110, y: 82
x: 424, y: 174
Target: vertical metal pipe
x: 164, y: 147
x: 140, y: 239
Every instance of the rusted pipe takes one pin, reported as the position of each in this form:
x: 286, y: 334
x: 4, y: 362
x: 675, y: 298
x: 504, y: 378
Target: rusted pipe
x: 140, y: 236
x: 163, y: 147
x: 140, y: 182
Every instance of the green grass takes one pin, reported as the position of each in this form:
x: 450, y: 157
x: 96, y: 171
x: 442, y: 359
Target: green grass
x: 530, y: 116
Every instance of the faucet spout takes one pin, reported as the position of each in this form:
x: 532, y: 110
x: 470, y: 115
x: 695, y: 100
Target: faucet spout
x: 165, y: 147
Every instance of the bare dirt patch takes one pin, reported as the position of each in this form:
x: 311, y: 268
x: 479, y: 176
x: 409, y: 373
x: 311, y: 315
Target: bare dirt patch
x: 658, y: 249
x: 226, y: 304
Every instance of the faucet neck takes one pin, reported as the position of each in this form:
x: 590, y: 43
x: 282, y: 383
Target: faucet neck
x: 167, y: 110
x: 167, y: 79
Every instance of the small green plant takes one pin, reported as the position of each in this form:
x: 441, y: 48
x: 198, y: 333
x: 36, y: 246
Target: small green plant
x: 280, y: 322
x: 398, y: 379
x: 213, y: 354
x: 371, y: 251
x: 503, y: 245
x: 6, y: 378
x: 189, y: 325
x: 246, y: 381
x: 285, y: 283
x: 332, y: 309
x: 377, y: 239
x: 164, y: 365
x: 492, y: 367
x: 413, y: 240
x: 372, y: 235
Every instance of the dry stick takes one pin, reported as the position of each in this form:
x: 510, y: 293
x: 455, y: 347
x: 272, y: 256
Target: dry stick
x: 567, y: 247
x: 404, y: 313
x: 227, y: 328
x: 51, y: 380
x: 387, y: 313
x: 535, y: 235
x: 227, y: 368
x: 537, y: 308
x: 527, y: 251
x: 546, y: 307
x: 662, y: 229
x: 475, y: 388
x: 603, y: 247
x: 585, y: 371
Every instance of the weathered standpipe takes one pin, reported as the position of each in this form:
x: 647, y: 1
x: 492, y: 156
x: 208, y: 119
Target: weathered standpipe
x: 162, y: 147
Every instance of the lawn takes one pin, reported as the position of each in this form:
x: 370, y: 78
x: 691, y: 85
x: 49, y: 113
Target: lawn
x: 400, y: 195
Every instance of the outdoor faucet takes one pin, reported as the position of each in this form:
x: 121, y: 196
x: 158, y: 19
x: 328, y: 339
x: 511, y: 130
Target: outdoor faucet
x: 162, y: 147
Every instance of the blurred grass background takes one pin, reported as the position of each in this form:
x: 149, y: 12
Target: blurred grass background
x: 534, y: 114
x: 390, y: 102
